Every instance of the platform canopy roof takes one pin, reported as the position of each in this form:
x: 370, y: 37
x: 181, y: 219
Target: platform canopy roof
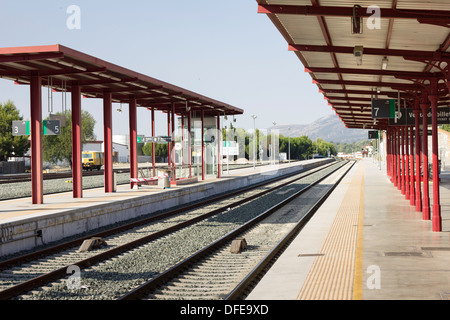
x: 61, y: 67
x: 402, y: 51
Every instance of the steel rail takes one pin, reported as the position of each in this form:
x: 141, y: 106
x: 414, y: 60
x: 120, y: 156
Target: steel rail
x: 61, y: 272
x: 239, y: 290
x: 77, y: 242
x: 170, y: 273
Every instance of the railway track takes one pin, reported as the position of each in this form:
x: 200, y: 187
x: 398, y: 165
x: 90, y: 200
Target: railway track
x: 6, y: 179
x: 130, y: 246
x: 55, y: 175
x: 216, y: 273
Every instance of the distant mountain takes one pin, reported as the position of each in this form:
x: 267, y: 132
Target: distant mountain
x: 329, y: 128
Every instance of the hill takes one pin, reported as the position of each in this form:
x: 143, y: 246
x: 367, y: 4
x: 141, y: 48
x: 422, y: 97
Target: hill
x: 329, y: 128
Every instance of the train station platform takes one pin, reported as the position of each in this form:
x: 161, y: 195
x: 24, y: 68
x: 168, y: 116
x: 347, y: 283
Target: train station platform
x: 365, y: 243
x: 62, y: 216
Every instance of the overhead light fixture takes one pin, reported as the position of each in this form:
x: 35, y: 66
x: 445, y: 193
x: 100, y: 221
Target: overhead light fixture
x: 358, y: 53
x: 384, y: 63
x: 357, y: 21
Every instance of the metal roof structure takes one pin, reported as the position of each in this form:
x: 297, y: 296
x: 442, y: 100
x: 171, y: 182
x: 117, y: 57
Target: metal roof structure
x: 60, y: 66
x: 404, y: 46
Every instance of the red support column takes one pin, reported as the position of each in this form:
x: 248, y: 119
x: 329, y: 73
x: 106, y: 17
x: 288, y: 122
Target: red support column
x: 418, y: 161
x: 406, y: 148
x: 183, y: 151
x: 133, y: 139
x: 203, y: 145
x: 399, y: 161
x: 189, y: 144
x: 402, y: 159
x: 77, y: 165
x: 387, y: 153
x: 219, y: 141
x: 426, y: 195
x: 173, y: 144
x: 153, y: 144
x: 107, y: 137
x: 389, y: 145
x: 394, y: 156
x: 37, y: 177
x: 169, y: 145
x: 436, y: 219
x: 391, y: 155
x: 412, y: 191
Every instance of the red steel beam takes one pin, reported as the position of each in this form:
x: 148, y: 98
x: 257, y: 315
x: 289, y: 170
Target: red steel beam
x: 327, y: 38
x: 406, y: 74
x: 433, y: 55
x: 31, y: 57
x: 324, y: 11
x: 401, y: 86
x: 44, y: 73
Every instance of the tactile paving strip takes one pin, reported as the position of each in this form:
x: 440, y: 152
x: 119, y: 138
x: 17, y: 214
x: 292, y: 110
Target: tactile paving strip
x: 332, y: 275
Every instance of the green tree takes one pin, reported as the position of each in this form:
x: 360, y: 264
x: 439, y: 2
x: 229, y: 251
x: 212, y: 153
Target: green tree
x: 160, y: 150
x: 59, y: 148
x: 10, y: 145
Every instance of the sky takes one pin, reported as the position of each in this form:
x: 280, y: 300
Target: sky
x: 224, y: 50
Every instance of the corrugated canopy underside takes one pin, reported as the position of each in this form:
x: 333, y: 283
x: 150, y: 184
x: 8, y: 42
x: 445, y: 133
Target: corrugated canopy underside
x: 408, y: 34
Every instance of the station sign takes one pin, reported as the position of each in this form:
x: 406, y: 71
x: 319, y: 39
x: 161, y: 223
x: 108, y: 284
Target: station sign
x: 406, y: 117
x: 383, y: 108
x: 21, y: 128
x: 160, y: 139
x: 373, y: 134
x: 52, y: 127
x: 230, y: 148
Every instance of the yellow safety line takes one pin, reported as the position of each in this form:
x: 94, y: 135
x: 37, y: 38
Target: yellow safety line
x: 358, y: 281
x: 332, y: 275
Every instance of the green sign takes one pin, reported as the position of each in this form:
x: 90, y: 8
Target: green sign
x: 373, y: 134
x: 21, y: 128
x: 52, y: 127
x: 383, y: 108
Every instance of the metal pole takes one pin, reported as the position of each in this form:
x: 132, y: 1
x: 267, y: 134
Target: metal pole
x: 426, y: 195
x: 153, y: 144
x: 133, y: 139
x: 437, y: 219
x: 77, y: 179
x: 254, y: 141
x: 37, y: 194
x: 289, y: 149
x: 107, y: 137
x: 418, y: 162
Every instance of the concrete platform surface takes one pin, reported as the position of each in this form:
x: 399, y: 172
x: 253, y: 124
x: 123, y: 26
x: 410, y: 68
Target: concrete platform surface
x: 365, y: 243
